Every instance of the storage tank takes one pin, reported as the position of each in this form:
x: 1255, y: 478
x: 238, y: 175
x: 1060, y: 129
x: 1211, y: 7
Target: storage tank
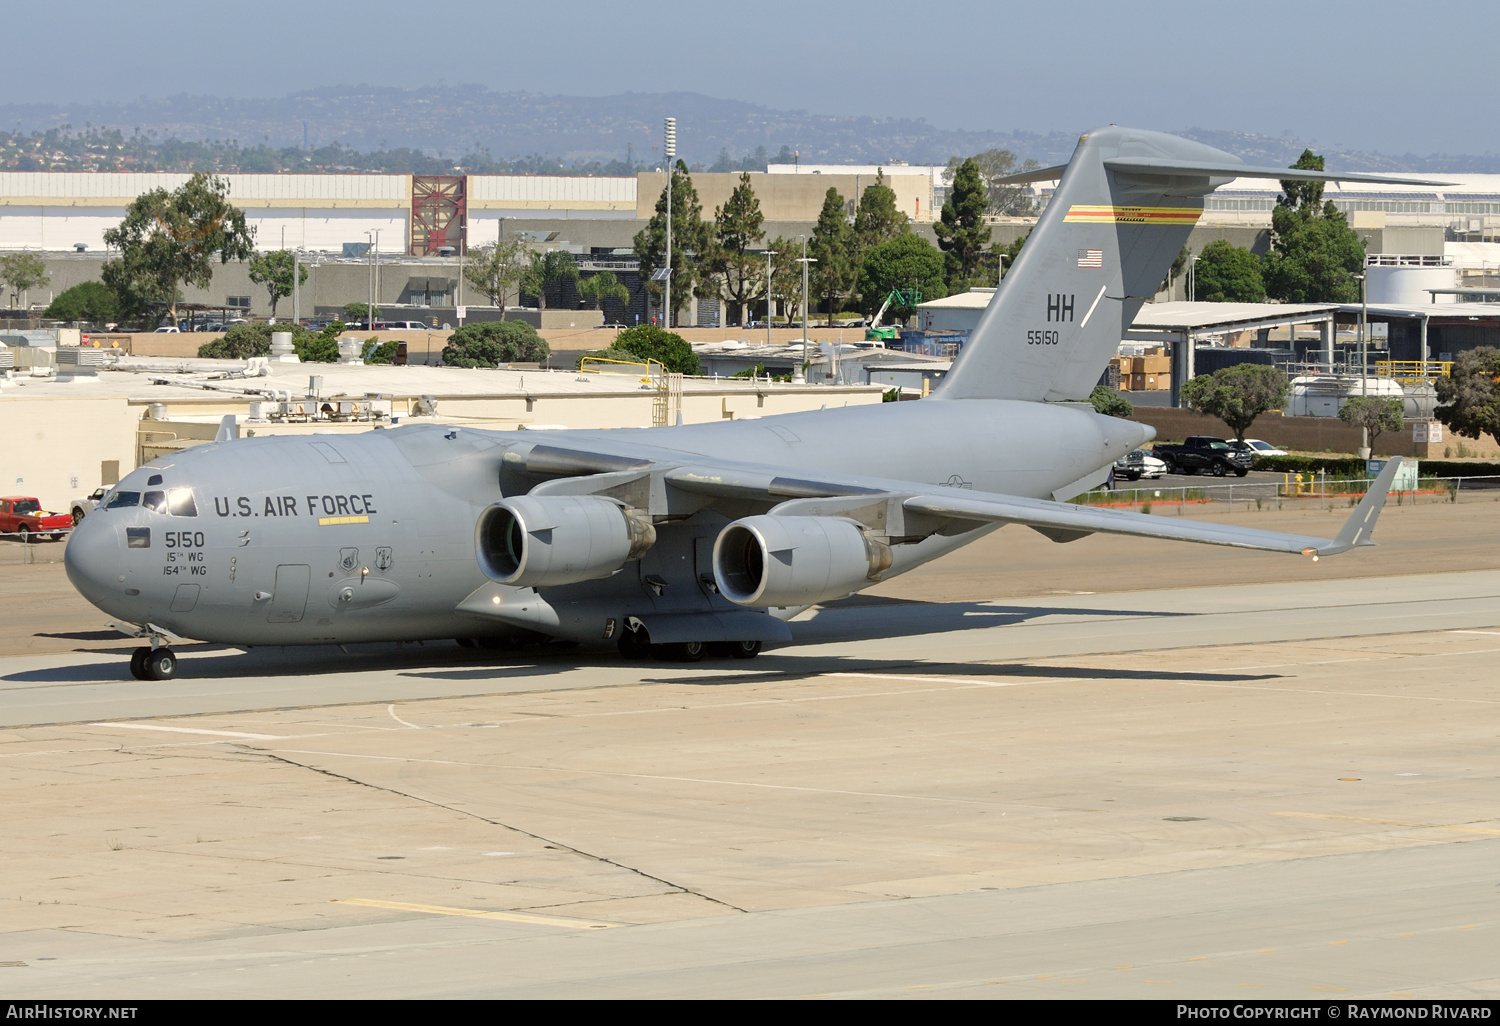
x: 1407, y: 286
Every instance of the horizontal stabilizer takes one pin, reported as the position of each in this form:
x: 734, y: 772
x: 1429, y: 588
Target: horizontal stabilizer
x: 1213, y: 169
x: 1210, y: 169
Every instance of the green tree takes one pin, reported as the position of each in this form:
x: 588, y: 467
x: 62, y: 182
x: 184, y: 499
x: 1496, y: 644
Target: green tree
x: 274, y: 271
x: 1373, y: 413
x: 90, y: 301
x: 491, y: 343
x: 995, y: 165
x: 1238, y: 394
x: 1226, y: 273
x: 786, y: 277
x: 649, y: 342
x: 21, y: 272
x: 1470, y: 394
x: 906, y: 262
x: 549, y: 271
x: 1314, y: 253
x: 496, y: 270
x: 603, y: 286
x: 877, y: 220
x: 1107, y: 401
x: 738, y: 228
x: 243, y: 341
x: 961, y: 230
x: 376, y: 351
x: 1005, y: 255
x: 692, y: 244
x: 320, y: 348
x: 835, y: 273
x: 360, y: 312
x: 171, y: 239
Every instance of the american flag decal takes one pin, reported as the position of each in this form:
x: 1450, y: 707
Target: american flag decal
x: 1091, y: 258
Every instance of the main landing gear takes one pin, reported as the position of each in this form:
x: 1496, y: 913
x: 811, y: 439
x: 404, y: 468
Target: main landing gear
x: 153, y: 664
x: 635, y: 643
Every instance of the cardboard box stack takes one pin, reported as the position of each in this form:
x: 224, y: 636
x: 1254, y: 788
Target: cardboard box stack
x: 1149, y: 373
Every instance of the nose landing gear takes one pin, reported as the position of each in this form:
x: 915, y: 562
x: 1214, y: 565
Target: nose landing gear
x: 157, y: 662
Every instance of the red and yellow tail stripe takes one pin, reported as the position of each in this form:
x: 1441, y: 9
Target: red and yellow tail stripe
x: 1087, y: 213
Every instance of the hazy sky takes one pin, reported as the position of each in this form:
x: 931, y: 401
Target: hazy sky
x: 1377, y: 75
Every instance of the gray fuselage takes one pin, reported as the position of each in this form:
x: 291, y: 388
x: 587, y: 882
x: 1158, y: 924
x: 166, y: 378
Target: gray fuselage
x: 371, y: 537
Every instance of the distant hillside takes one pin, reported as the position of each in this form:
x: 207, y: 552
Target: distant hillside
x: 436, y: 129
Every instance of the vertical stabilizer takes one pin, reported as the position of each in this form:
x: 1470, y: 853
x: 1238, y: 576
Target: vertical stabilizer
x: 1098, y: 252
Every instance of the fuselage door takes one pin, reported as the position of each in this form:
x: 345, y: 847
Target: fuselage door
x: 289, y: 600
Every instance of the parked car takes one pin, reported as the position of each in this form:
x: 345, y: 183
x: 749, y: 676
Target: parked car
x: 1258, y: 448
x: 1138, y: 464
x: 401, y: 326
x: 168, y: 329
x: 23, y: 515
x: 1203, y: 452
x: 86, y: 505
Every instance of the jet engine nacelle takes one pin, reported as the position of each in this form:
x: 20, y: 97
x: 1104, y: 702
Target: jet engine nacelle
x: 795, y: 561
x: 548, y: 540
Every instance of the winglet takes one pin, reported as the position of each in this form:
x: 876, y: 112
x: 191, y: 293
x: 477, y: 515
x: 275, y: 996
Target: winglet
x: 1361, y: 522
x: 227, y: 432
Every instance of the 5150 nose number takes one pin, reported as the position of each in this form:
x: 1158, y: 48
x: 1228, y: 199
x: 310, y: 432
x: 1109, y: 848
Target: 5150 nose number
x: 184, y: 539
x: 1042, y: 338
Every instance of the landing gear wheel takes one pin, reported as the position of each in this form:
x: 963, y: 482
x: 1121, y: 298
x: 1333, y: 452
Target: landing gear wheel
x: 744, y: 649
x: 160, y: 664
x: 635, y: 643
x: 687, y: 651
x: 138, y: 663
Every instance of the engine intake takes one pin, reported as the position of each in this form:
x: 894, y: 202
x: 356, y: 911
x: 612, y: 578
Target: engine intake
x: 795, y: 561
x: 544, y: 541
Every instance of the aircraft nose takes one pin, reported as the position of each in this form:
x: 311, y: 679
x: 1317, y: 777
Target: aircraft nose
x: 92, y: 559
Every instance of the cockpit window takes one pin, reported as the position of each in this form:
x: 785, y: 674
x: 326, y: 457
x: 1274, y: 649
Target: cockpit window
x: 180, y: 502
x: 156, y: 502
x: 122, y: 499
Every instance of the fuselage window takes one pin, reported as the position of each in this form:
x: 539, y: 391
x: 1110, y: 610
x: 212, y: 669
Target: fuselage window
x: 180, y: 502
x: 156, y: 502
x: 122, y: 499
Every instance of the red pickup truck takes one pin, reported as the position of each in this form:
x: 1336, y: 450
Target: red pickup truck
x: 23, y: 516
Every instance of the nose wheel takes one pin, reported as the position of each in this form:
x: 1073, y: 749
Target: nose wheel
x: 153, y: 664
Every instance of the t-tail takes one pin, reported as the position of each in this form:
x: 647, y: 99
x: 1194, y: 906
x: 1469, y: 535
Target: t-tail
x: 1124, y: 208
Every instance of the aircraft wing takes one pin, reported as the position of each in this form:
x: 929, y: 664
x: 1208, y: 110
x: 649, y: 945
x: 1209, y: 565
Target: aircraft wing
x: 1062, y: 521
x: 1068, y: 521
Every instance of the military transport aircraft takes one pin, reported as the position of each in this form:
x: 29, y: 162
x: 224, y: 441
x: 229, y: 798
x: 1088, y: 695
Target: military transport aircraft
x: 686, y: 540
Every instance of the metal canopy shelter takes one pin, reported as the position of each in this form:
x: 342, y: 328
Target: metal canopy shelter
x: 1180, y: 324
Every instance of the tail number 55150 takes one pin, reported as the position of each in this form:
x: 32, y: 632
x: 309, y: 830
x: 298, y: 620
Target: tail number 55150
x: 1042, y: 338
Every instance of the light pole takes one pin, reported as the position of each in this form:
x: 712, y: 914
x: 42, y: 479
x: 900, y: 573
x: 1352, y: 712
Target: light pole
x: 769, y: 255
x: 669, y: 149
x: 801, y: 374
x: 296, y: 288
x: 1364, y: 360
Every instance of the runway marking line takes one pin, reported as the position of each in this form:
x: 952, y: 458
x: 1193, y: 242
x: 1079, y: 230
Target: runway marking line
x: 475, y: 913
x: 1392, y: 822
x: 192, y: 730
x: 1491, y: 633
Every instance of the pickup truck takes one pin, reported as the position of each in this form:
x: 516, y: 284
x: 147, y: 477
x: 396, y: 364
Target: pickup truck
x: 1203, y: 452
x: 22, y: 516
